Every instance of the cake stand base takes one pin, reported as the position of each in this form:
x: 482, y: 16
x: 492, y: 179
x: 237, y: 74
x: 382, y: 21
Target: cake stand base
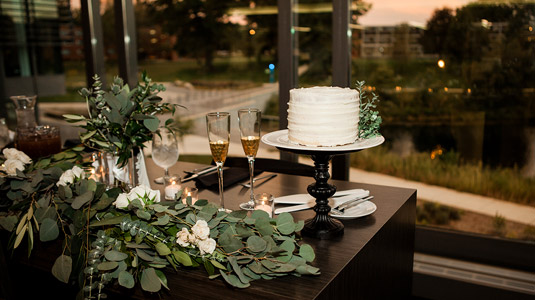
x: 323, y: 227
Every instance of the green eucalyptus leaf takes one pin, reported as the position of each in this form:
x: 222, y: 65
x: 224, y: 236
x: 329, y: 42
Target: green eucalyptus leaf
x: 217, y: 264
x: 162, y: 249
x: 45, y: 212
x: 209, y: 267
x: 299, y: 225
x: 162, y: 221
x: 143, y: 255
x: 107, y: 265
x: 151, y: 123
x: 263, y: 226
x: 234, y: 263
x: 150, y: 282
x: 114, y: 255
x: 8, y: 222
x: 126, y: 279
x: 107, y: 221
x: 256, y: 244
x: 183, y: 258
x: 251, y: 274
x: 162, y: 278
x: 289, y: 247
x: 306, y: 252
x: 259, y: 214
x: 285, y: 223
x: 79, y: 201
x: 143, y: 214
x: 49, y: 230
x: 62, y: 268
x: 233, y: 280
x: 307, y: 270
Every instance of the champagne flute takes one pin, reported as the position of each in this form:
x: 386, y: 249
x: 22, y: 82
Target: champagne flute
x: 164, y: 149
x: 218, y: 128
x: 249, y: 121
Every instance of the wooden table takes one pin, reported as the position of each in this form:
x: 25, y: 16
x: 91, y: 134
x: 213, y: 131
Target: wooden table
x: 372, y: 260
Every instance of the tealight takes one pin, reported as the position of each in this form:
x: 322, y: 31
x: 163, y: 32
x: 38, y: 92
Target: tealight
x: 172, y: 186
x: 264, y: 201
x: 190, y: 192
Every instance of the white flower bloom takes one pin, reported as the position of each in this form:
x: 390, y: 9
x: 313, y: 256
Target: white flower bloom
x: 141, y: 192
x: 183, y: 237
x: 201, y: 229
x: 206, y: 246
x: 12, y: 153
x: 11, y: 166
x: 69, y: 176
x: 121, y: 201
x: 78, y: 172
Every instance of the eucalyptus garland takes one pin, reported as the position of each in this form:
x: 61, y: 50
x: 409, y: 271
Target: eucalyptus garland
x: 138, y: 241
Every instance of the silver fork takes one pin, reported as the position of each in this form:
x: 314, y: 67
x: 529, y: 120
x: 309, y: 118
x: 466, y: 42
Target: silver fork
x: 267, y: 177
x: 339, y: 210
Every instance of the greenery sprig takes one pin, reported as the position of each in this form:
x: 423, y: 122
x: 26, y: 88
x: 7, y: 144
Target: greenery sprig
x: 369, y: 119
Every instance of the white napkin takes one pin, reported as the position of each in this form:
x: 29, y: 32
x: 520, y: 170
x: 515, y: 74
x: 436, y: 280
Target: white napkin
x: 306, y: 201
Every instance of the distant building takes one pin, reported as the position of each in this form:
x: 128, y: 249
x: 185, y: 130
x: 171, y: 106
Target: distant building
x: 391, y: 41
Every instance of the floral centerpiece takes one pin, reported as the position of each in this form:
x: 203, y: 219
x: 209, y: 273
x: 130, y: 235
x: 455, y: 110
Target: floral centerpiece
x: 121, y: 119
x: 130, y: 237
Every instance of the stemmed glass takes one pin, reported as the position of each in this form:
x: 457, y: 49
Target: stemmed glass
x: 164, y: 149
x: 218, y: 127
x: 249, y: 122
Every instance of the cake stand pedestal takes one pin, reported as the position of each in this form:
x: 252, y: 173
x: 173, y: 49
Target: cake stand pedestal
x: 322, y: 226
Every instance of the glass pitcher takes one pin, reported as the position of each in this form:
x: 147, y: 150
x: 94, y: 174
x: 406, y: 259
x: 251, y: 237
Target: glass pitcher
x: 25, y: 107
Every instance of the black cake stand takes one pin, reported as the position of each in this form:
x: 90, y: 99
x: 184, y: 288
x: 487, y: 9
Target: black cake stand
x: 322, y: 226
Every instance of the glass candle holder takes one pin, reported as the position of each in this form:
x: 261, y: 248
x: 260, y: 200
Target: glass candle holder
x: 190, y: 192
x: 264, y: 201
x: 172, y: 186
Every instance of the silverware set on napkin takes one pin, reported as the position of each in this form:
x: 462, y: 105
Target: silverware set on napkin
x: 348, y: 204
x: 340, y: 202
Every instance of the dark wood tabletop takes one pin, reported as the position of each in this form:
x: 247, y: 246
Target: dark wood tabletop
x: 385, y: 237
x: 372, y: 260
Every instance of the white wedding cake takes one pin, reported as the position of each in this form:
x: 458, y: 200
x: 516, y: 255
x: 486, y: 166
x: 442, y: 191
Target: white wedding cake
x: 323, y: 116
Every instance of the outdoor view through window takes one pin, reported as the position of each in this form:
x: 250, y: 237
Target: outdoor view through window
x: 455, y: 79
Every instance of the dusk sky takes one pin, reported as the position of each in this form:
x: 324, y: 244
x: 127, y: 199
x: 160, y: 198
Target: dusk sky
x: 390, y: 12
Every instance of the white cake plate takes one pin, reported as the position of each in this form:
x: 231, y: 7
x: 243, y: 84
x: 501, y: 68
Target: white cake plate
x: 280, y: 139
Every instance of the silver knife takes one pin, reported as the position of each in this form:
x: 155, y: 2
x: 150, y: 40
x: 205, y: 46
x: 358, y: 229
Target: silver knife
x: 205, y: 171
x: 352, y: 203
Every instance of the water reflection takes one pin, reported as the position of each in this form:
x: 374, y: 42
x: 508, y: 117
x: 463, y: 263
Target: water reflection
x: 494, y: 145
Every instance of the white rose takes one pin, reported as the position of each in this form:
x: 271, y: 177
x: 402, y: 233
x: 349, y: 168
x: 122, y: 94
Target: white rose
x: 11, y: 166
x: 69, y: 176
x: 201, y: 229
x: 206, y: 246
x: 141, y: 191
x: 121, y: 201
x: 78, y: 172
x: 12, y: 153
x: 183, y: 237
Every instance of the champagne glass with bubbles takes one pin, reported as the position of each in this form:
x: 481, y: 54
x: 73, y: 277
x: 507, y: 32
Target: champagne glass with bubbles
x: 249, y: 122
x: 218, y: 127
x: 164, y: 149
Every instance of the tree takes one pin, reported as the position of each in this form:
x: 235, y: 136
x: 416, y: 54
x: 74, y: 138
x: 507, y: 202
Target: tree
x: 434, y: 38
x: 201, y: 26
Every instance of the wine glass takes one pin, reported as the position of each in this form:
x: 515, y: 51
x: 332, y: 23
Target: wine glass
x: 249, y: 122
x: 218, y: 127
x: 164, y: 149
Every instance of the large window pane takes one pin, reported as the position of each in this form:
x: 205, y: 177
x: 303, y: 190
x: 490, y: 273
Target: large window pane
x: 211, y: 55
x: 456, y: 83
